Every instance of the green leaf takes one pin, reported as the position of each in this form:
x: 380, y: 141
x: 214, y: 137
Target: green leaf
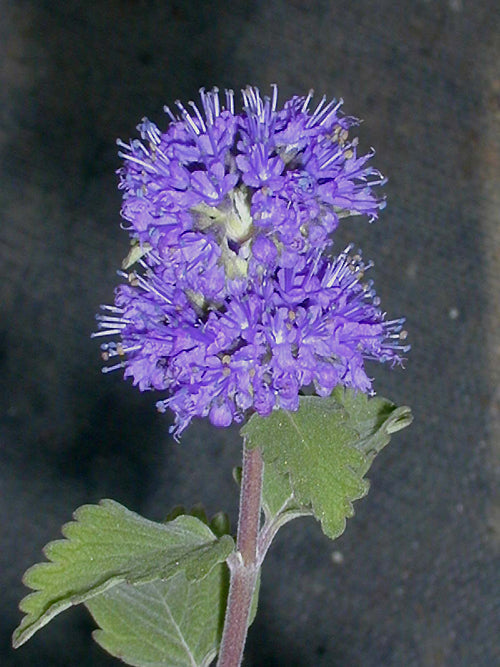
x: 106, y: 545
x: 320, y: 454
x: 174, y: 623
x: 277, y: 494
x: 374, y: 419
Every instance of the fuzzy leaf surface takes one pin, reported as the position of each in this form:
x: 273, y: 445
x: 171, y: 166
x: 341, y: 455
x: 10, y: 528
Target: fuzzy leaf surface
x: 316, y: 458
x: 278, y: 497
x: 106, y: 545
x: 173, y: 623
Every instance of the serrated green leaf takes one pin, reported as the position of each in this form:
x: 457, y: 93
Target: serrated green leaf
x: 108, y: 544
x: 321, y: 452
x: 174, y: 623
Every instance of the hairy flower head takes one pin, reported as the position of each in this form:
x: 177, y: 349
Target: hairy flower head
x: 236, y: 304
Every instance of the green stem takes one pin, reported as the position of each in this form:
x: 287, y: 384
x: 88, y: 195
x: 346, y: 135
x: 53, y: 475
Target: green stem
x: 244, y: 564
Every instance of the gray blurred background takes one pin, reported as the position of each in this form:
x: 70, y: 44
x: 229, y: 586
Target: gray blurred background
x: 414, y: 580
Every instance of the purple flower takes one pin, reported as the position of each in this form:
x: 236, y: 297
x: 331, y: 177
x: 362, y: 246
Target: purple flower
x: 235, y: 304
x: 288, y: 172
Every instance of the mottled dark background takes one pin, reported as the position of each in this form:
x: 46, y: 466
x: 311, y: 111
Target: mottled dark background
x: 414, y: 581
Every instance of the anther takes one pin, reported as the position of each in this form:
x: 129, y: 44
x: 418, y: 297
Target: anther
x: 343, y: 135
x: 133, y: 279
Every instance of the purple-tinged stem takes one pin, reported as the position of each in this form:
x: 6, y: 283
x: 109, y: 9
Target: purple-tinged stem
x: 244, y: 564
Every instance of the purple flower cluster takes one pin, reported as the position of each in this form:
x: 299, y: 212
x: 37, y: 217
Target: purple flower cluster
x: 235, y: 303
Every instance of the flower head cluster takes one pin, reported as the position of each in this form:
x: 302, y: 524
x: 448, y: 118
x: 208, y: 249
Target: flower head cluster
x: 235, y: 303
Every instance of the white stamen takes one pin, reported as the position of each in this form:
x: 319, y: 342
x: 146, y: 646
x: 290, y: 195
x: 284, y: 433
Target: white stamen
x: 317, y: 110
x: 115, y: 352
x: 105, y: 332
x: 275, y: 97
x: 187, y: 118
x: 113, y: 320
x: 330, y: 110
x: 132, y: 158
x: 150, y: 130
x: 149, y: 287
x: 230, y: 100
x: 331, y: 159
x: 215, y: 98
x: 112, y: 309
x: 112, y: 325
x: 109, y: 369
x: 122, y: 144
x: 199, y: 116
x: 307, y: 100
x: 166, y: 109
